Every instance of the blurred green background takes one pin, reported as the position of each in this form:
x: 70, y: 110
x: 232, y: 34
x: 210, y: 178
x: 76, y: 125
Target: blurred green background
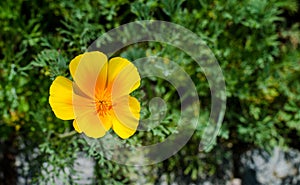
x: 255, y: 41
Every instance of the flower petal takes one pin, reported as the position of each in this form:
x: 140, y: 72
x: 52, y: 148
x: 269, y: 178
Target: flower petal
x: 106, y: 121
x: 126, y: 117
x: 74, y: 64
x: 76, y: 127
x: 123, y: 76
x: 89, y: 72
x: 90, y: 124
x: 60, y: 98
x: 115, y: 66
x: 87, y: 117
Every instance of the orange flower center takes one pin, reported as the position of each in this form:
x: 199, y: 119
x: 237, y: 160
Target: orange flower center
x: 103, y: 107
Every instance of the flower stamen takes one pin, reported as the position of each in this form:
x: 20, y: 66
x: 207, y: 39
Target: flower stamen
x: 103, y: 107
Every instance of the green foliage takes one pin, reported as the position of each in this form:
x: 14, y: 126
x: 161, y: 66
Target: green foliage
x: 257, y: 47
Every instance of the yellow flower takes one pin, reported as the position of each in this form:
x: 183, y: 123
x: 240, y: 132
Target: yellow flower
x: 99, y: 98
